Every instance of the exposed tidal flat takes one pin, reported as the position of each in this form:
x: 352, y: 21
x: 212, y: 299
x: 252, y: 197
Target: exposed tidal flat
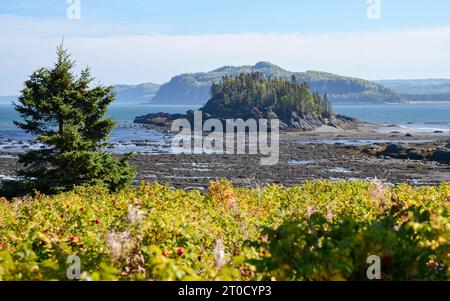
x: 326, y: 153
x: 369, y: 151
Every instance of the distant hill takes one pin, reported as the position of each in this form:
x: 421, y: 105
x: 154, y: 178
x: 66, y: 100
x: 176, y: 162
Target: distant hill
x: 133, y: 94
x: 420, y: 89
x: 142, y: 93
x: 194, y: 88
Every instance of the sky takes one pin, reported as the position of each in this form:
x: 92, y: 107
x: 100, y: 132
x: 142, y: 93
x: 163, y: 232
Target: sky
x: 136, y: 41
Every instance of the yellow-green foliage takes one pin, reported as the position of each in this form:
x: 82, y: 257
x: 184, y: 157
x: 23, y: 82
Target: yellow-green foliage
x: 315, y: 231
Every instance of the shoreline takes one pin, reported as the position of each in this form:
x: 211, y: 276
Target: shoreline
x: 369, y: 132
x: 324, y: 154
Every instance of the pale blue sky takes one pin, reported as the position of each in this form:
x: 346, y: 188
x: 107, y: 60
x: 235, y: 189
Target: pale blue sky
x: 138, y: 41
x: 238, y: 16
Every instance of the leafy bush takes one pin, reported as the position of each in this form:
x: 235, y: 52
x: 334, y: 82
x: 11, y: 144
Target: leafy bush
x: 412, y: 245
x: 314, y: 231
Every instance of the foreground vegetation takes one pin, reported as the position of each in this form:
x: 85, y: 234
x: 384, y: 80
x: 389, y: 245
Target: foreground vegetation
x: 316, y: 231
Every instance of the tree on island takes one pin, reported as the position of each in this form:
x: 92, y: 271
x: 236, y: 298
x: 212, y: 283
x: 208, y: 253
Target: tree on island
x: 250, y: 95
x: 67, y: 115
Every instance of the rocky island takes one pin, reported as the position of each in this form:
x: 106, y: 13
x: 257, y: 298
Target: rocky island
x: 253, y: 96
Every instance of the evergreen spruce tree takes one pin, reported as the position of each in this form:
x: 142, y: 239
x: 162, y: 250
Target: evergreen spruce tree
x: 240, y: 96
x: 328, y: 108
x: 67, y: 114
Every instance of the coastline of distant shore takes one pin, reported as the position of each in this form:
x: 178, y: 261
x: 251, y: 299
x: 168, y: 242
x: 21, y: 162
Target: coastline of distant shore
x: 427, y: 102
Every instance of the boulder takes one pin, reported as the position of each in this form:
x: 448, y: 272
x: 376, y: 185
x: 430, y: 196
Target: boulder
x: 441, y: 155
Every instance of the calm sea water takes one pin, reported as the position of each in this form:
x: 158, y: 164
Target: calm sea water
x: 414, y: 117
x: 130, y: 137
x: 126, y: 137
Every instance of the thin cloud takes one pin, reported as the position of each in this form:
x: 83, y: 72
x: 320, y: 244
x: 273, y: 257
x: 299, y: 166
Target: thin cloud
x: 120, y: 58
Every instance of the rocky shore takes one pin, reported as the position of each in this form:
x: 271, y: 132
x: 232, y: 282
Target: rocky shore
x: 306, y: 122
x: 362, y: 153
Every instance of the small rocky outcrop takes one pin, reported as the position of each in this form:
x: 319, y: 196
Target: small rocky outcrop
x: 438, y: 152
x: 159, y: 121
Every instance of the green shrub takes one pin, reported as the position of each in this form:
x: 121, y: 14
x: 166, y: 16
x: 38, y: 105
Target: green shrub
x: 314, y: 231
